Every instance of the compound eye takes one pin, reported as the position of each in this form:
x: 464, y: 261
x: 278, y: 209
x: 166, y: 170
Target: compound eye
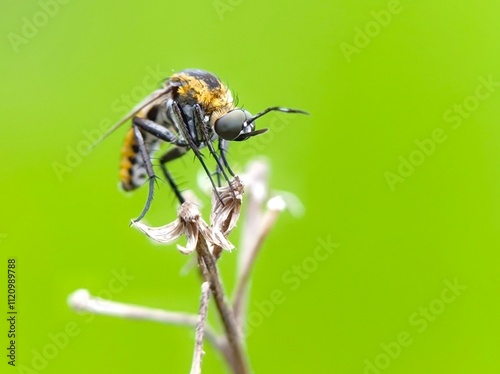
x: 229, y: 126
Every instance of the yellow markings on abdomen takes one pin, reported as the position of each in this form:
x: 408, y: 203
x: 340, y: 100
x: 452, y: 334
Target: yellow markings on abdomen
x: 128, y: 156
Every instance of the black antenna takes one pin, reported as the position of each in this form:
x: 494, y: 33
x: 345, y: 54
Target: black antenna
x: 277, y: 109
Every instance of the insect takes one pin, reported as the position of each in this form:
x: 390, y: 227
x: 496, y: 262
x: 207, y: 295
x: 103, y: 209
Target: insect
x: 192, y: 110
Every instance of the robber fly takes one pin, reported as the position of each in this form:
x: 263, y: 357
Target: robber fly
x: 192, y: 110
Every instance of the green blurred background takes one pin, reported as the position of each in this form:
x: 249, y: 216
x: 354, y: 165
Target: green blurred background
x: 380, y: 78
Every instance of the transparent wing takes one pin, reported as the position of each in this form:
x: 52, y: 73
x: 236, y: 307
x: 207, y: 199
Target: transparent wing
x: 148, y: 100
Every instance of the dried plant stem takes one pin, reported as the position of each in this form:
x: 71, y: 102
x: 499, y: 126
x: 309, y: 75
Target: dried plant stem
x: 200, y: 328
x: 256, y: 187
x: 203, y: 238
x: 82, y: 300
x: 241, y: 289
x: 210, y: 272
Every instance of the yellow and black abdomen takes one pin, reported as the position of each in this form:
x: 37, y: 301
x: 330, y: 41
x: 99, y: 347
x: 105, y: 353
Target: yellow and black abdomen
x: 130, y: 149
x: 133, y: 172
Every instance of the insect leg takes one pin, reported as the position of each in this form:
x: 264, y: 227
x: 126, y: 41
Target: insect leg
x: 223, y: 145
x: 171, y: 155
x: 179, y: 123
x: 206, y: 139
x: 149, y: 170
x: 161, y: 133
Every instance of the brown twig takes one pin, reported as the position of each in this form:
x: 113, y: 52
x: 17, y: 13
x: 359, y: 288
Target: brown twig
x: 211, y: 274
x: 200, y: 328
x: 82, y: 300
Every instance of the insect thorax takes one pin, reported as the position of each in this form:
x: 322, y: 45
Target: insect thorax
x: 202, y: 88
